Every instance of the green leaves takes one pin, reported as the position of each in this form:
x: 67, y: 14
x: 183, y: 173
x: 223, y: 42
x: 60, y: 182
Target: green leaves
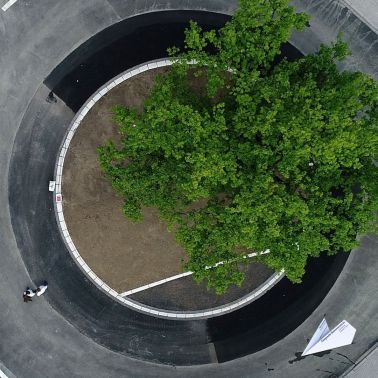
x: 262, y: 157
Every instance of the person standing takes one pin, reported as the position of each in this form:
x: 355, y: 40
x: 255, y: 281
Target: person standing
x: 41, y: 289
x: 28, y: 294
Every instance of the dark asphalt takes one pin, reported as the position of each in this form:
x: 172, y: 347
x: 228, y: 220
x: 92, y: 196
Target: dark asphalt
x: 120, y: 47
x: 36, y: 340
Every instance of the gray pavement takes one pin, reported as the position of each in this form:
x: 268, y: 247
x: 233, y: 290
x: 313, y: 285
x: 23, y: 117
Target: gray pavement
x: 35, y: 340
x: 365, y: 366
x: 366, y: 11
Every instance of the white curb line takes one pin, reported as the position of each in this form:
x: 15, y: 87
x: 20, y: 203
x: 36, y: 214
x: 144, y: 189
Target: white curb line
x: 7, y: 5
x: 183, y: 315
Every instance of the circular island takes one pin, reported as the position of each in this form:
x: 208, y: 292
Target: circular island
x: 141, y: 262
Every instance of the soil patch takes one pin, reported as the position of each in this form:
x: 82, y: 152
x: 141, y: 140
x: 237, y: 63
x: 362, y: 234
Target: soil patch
x: 123, y: 254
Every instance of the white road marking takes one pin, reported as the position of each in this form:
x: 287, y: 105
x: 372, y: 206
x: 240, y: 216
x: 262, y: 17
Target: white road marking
x: 2, y: 375
x: 177, y: 276
x: 8, y: 5
x: 145, y: 287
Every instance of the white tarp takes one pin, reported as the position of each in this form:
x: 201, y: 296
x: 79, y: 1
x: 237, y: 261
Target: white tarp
x: 324, y: 339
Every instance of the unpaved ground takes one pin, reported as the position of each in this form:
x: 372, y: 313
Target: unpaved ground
x: 123, y: 254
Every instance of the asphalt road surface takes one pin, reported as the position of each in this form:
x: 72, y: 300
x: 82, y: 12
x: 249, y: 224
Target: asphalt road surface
x: 76, y: 330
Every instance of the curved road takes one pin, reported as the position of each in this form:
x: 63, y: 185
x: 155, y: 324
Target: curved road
x: 35, y: 339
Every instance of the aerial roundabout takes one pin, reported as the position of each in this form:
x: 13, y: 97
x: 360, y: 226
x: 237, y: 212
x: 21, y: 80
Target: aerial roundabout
x: 69, y: 59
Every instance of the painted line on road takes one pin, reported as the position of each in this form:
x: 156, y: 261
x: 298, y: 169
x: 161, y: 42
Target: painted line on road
x: 156, y: 283
x: 178, y: 276
x: 7, y: 5
x: 3, y: 375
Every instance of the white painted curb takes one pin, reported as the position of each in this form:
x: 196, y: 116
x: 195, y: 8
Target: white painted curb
x: 183, y: 315
x: 8, y: 4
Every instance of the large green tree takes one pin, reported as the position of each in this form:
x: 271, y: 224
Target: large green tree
x: 276, y: 156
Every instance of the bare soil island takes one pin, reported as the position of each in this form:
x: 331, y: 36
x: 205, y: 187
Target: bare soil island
x: 123, y: 254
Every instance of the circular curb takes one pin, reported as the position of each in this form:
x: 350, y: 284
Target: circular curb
x: 58, y: 207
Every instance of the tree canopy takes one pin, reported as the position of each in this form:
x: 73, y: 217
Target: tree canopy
x: 276, y: 156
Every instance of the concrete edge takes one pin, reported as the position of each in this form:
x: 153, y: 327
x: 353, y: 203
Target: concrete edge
x: 361, y: 360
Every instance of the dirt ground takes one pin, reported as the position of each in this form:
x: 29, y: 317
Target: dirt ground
x: 123, y: 254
